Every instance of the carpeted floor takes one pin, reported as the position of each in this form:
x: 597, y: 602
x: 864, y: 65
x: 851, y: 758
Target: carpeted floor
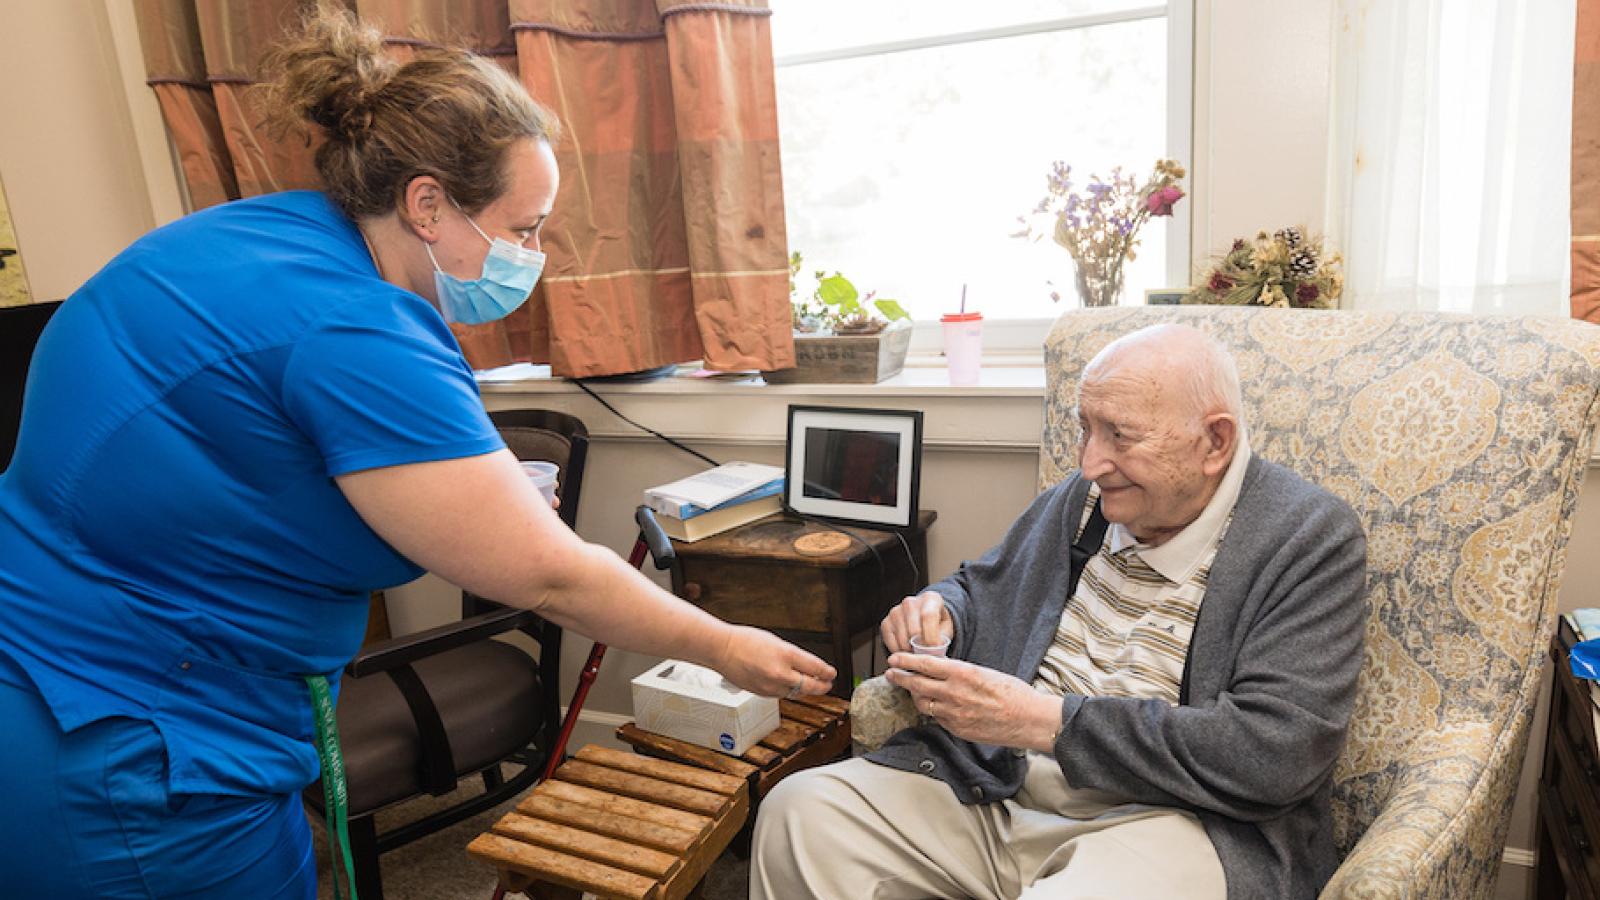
x: 437, y: 867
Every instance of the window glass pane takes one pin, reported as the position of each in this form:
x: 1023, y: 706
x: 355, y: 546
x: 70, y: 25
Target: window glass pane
x: 907, y: 171
x: 807, y: 26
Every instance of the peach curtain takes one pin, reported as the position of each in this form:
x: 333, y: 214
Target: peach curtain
x: 667, y: 243
x: 1586, y: 164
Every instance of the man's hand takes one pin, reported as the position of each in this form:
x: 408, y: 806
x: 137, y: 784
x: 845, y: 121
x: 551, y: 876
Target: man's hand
x: 765, y: 664
x: 977, y: 703
x: 922, y: 616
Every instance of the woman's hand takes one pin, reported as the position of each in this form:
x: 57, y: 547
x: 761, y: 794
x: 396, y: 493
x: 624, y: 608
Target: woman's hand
x: 922, y: 616
x: 765, y: 664
x: 977, y: 703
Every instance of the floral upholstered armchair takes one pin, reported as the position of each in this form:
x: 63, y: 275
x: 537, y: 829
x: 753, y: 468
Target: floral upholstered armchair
x: 1461, y: 442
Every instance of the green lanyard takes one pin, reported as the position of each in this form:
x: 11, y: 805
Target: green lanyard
x: 335, y: 795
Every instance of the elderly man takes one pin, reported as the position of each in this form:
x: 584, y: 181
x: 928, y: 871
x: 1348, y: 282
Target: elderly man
x: 1169, y: 731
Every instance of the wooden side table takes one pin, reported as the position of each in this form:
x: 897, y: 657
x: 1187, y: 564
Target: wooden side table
x: 1569, y: 786
x: 805, y: 580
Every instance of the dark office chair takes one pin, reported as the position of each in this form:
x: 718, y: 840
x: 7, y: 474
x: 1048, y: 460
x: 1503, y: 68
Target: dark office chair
x: 20, y: 327
x: 419, y: 712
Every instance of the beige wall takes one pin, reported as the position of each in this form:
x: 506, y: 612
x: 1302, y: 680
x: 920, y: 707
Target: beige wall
x: 76, y: 181
x: 1261, y: 92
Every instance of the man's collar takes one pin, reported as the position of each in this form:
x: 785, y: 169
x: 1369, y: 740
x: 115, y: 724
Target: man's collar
x: 1179, y: 557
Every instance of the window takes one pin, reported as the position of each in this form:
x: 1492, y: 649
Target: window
x: 914, y: 134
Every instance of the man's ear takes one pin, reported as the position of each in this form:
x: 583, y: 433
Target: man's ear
x: 420, y: 205
x: 1220, y: 432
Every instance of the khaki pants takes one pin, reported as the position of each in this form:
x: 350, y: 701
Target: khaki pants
x: 857, y: 830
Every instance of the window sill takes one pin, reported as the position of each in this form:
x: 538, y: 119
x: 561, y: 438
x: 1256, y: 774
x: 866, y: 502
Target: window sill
x: 1003, y: 411
x: 924, y: 374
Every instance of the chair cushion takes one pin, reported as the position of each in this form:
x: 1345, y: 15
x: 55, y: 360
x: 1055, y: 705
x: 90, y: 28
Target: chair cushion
x: 487, y: 695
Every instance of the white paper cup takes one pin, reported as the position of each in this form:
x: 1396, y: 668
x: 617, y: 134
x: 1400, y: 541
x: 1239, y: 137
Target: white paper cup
x: 543, y: 475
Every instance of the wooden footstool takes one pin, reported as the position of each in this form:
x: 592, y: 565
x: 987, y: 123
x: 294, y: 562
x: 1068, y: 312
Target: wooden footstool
x: 618, y: 825
x: 813, y: 731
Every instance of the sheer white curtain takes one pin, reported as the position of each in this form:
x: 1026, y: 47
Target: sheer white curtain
x: 1451, y: 154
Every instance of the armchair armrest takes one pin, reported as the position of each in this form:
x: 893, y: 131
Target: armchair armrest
x: 878, y: 710
x: 1441, y: 830
x: 407, y: 649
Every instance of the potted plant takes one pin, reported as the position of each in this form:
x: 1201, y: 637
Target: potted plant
x: 841, y: 336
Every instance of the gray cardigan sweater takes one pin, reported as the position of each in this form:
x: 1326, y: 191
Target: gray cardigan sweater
x: 1266, y: 693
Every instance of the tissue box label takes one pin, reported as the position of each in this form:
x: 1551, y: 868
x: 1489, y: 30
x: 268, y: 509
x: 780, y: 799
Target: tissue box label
x: 675, y: 700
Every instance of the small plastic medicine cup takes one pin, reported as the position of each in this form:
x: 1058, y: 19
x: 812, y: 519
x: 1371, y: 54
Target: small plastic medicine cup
x: 543, y: 475
x: 940, y: 649
x: 918, y: 647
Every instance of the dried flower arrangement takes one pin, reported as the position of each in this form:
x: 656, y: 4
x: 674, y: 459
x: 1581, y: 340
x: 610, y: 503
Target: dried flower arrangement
x: 1286, y: 268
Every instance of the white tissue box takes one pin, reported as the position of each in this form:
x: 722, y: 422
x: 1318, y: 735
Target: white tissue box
x: 673, y: 699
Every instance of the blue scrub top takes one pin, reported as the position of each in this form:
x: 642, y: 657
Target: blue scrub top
x: 172, y: 544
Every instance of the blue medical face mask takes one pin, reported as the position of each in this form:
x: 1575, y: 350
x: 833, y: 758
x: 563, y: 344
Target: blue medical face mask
x: 509, y: 274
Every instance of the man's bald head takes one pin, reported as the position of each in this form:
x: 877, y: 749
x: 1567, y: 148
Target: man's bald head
x: 1184, y: 359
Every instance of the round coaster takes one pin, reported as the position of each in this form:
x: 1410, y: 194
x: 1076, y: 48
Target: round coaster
x: 821, y: 543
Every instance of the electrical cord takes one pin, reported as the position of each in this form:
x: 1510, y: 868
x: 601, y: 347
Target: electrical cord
x: 911, y: 560
x: 602, y: 401
x: 916, y: 573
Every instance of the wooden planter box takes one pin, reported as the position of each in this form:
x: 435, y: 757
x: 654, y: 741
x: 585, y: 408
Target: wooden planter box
x: 848, y: 359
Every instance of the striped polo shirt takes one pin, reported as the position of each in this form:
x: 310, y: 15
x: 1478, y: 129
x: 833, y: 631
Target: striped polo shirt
x: 1125, y: 633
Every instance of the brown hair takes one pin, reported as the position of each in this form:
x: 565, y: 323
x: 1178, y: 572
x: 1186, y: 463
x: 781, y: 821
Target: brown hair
x: 448, y: 113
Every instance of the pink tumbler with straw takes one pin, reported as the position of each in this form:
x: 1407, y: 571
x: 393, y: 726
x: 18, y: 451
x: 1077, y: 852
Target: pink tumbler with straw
x: 963, y: 345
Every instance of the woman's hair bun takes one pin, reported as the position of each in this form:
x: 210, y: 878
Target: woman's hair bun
x: 446, y: 113
x: 329, y: 73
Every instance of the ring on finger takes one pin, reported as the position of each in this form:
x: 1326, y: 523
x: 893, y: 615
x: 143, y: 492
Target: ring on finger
x: 798, y: 685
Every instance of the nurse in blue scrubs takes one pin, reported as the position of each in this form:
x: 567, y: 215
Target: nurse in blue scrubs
x: 235, y: 430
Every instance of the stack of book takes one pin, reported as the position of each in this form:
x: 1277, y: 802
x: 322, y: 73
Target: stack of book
x: 1585, y: 624
x: 716, y: 500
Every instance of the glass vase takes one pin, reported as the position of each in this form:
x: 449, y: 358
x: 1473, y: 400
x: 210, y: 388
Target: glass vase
x: 1099, y: 283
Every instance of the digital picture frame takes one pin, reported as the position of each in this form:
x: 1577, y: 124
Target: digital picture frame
x: 854, y: 466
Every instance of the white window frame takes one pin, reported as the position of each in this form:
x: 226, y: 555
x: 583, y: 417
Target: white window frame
x: 1022, y: 340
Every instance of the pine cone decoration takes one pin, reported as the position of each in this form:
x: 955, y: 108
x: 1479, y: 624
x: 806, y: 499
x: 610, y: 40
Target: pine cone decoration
x: 1302, y: 264
x: 1291, y: 236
